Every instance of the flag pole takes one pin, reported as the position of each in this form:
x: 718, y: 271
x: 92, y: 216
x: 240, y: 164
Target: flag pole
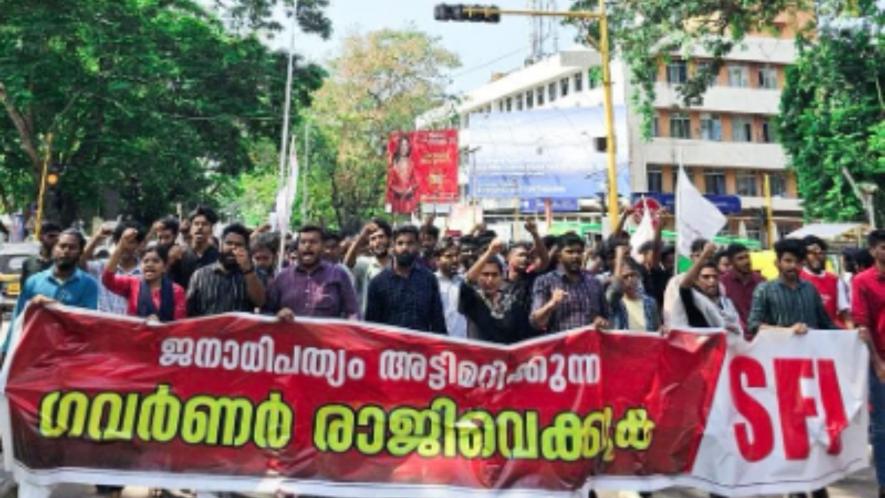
x: 284, y: 139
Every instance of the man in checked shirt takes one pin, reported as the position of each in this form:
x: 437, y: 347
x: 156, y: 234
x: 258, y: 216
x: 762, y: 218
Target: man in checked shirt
x: 568, y: 298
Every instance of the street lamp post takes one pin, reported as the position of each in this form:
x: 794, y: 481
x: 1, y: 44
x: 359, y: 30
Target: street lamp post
x: 492, y: 14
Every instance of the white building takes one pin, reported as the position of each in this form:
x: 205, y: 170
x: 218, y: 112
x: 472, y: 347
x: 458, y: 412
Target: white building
x: 727, y: 144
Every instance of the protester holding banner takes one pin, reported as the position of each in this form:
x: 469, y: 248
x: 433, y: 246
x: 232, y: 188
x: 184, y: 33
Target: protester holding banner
x: 406, y: 295
x: 868, y: 311
x: 312, y: 287
x: 788, y: 302
x: 701, y: 296
x: 151, y: 294
x: 568, y: 297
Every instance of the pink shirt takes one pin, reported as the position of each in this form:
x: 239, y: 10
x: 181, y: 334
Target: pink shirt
x: 129, y: 286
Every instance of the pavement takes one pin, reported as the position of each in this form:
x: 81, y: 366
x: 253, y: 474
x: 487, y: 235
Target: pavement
x: 859, y: 485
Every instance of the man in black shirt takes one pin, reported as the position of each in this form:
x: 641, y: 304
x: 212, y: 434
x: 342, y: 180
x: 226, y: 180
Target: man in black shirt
x: 201, y: 252
x: 491, y: 311
x: 406, y: 295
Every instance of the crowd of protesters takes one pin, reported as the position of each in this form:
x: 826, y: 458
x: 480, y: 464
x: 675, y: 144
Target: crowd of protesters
x: 474, y: 287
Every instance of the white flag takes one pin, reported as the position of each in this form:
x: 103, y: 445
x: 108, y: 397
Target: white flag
x: 286, y: 194
x: 696, y: 217
x: 645, y: 232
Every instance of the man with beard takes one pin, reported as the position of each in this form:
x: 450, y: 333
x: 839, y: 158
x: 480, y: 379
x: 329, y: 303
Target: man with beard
x: 200, y: 252
x: 520, y: 277
x: 699, y: 291
x: 834, y: 297
x: 376, y: 235
x: 741, y: 281
x: 64, y: 281
x: 312, y: 287
x: 264, y: 249
x: 469, y: 252
x: 35, y: 264
x: 568, y: 298
x: 450, y: 281
x: 406, y: 295
x: 789, y: 304
x: 229, y: 284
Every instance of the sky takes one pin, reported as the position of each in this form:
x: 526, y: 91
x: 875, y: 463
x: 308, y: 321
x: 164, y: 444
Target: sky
x: 483, y: 48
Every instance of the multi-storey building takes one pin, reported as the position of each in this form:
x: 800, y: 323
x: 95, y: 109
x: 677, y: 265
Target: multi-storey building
x: 727, y: 144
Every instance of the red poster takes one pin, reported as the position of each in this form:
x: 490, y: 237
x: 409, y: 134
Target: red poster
x: 422, y: 167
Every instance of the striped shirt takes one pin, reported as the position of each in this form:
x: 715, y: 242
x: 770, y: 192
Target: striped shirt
x: 214, y: 290
x: 777, y: 304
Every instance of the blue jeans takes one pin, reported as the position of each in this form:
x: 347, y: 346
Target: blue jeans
x: 877, y: 425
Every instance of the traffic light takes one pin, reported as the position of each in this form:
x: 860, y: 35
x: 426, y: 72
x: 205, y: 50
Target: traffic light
x: 53, y: 175
x: 473, y: 13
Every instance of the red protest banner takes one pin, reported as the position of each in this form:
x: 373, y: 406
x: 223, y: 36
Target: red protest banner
x: 241, y: 403
x: 422, y: 167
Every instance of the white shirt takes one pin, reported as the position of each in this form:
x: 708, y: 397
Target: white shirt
x: 450, y: 292
x: 107, y: 300
x: 364, y: 270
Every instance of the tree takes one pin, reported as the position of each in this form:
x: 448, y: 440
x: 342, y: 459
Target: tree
x: 380, y: 83
x: 144, y: 103
x: 833, y: 116
x: 644, y: 33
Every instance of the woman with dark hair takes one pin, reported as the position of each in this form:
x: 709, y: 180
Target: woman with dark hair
x: 152, y: 294
x: 402, y: 181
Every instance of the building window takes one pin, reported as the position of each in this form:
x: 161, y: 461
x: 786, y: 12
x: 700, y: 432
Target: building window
x: 711, y: 127
x: 738, y: 76
x: 530, y: 99
x: 746, y: 185
x: 563, y: 87
x: 767, y: 77
x: 518, y: 99
x: 551, y: 91
x: 501, y: 105
x: 655, y: 127
x: 680, y: 126
x: 768, y: 131
x: 677, y: 72
x: 579, y: 82
x: 741, y: 130
x: 540, y: 93
x: 508, y: 105
x: 655, y: 179
x: 714, y: 182
x: 706, y: 67
x: 777, y: 183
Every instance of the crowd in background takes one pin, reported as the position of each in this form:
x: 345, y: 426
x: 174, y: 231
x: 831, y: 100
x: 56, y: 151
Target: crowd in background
x: 474, y: 287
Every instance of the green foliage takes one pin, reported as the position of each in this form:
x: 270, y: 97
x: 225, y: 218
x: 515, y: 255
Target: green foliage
x: 645, y: 32
x: 379, y: 83
x: 831, y: 118
x: 257, y: 14
x: 150, y: 102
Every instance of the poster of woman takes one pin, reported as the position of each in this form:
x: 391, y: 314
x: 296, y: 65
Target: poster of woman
x: 402, y: 180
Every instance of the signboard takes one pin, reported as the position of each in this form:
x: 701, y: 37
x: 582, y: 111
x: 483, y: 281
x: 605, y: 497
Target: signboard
x: 335, y: 408
x: 422, y: 167
x: 728, y: 204
x: 537, y: 206
x: 545, y: 153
